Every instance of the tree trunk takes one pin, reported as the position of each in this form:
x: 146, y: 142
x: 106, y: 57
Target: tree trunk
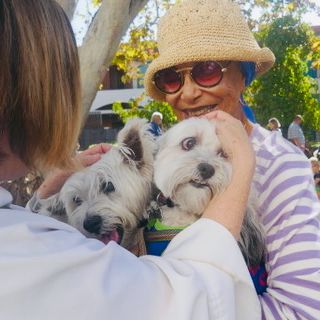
x: 101, y: 42
x: 68, y: 6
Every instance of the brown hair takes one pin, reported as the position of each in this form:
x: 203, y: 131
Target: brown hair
x: 40, y: 108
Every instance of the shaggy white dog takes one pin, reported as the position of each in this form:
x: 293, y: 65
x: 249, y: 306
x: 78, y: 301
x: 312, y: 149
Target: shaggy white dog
x: 108, y: 200
x: 190, y: 169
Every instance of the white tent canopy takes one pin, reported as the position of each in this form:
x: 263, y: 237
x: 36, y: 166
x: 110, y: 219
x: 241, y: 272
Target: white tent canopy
x: 105, y: 97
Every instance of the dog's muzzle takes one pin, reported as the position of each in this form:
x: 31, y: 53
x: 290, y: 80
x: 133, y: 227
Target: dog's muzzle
x: 93, y: 224
x: 206, y: 170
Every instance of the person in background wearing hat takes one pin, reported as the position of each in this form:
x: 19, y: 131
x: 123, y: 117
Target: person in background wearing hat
x: 49, y: 270
x: 295, y: 133
x: 274, y: 125
x: 155, y: 124
x: 207, y: 57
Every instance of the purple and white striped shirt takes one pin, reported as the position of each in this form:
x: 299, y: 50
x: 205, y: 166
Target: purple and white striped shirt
x: 288, y: 209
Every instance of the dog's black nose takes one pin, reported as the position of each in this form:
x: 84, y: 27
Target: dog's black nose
x: 93, y: 224
x: 206, y: 170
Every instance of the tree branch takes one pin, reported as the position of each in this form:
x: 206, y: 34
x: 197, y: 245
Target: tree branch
x: 102, y: 41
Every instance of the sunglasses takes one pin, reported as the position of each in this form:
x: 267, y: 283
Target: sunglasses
x: 206, y: 74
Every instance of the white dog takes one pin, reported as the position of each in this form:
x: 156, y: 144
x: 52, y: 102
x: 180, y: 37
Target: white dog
x: 190, y: 169
x: 108, y: 200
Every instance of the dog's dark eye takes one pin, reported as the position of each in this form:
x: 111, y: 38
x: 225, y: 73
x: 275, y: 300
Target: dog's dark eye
x: 188, y: 143
x: 77, y: 200
x: 107, y: 187
x: 222, y: 154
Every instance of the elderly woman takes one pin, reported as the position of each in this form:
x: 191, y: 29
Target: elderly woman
x: 48, y: 270
x: 207, y: 56
x: 274, y: 125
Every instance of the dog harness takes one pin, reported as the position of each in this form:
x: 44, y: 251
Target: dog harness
x: 157, y: 237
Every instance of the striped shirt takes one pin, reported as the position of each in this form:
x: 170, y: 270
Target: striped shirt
x: 288, y: 209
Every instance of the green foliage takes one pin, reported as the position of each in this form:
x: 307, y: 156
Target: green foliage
x: 168, y: 120
x: 287, y: 89
x: 96, y: 2
x: 271, y: 10
x: 141, y: 47
x: 138, y: 50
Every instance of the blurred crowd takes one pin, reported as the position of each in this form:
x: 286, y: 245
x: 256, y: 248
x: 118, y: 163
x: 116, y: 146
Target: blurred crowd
x: 296, y: 136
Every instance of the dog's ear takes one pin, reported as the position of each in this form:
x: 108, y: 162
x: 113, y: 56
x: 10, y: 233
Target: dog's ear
x: 133, y: 142
x: 136, y: 142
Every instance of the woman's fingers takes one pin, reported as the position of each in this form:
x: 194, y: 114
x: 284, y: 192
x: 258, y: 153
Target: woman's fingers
x: 233, y: 137
x: 93, y: 154
x: 100, y: 148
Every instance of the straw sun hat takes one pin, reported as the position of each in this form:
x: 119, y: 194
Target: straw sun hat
x: 198, y: 30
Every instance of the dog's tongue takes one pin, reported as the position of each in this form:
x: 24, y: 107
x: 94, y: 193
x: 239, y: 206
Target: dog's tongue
x: 113, y: 235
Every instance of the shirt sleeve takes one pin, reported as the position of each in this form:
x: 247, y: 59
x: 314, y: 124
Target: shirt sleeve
x: 54, y: 272
x: 223, y: 257
x: 289, y: 212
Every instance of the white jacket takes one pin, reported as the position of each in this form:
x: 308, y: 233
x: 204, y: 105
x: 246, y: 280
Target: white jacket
x: 48, y: 270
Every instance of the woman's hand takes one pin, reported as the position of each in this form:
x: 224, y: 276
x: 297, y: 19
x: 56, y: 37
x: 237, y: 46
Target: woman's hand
x: 55, y: 179
x: 229, y: 207
x: 234, y: 138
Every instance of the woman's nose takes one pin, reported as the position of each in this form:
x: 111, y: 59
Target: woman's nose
x: 190, y: 90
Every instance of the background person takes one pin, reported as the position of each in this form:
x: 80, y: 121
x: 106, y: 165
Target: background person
x: 156, y: 124
x: 207, y: 55
x: 316, y: 178
x: 295, y: 133
x: 202, y: 275
x: 315, y: 166
x: 274, y: 125
x: 316, y: 173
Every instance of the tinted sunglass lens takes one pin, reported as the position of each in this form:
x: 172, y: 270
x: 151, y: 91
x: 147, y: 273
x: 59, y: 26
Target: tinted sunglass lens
x: 207, y: 74
x: 167, y: 80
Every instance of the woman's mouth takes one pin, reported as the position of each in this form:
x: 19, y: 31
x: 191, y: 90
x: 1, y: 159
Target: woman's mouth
x: 200, y: 111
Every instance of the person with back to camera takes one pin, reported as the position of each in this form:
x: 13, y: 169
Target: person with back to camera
x: 295, y: 133
x: 207, y: 56
x: 51, y: 271
x: 155, y: 124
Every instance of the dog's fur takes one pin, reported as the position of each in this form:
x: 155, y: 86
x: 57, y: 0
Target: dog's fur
x: 190, y: 169
x: 108, y: 200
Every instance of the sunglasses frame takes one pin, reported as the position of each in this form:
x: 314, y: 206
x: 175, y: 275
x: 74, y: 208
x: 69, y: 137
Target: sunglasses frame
x: 181, y: 74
